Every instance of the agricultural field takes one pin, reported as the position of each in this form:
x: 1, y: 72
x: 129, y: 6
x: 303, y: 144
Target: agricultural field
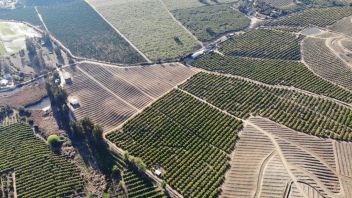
x: 185, y: 136
x: 282, y: 4
x: 37, y: 172
x: 110, y: 95
x: 273, y: 72
x: 135, y: 182
x: 26, y: 14
x: 208, y: 22
x: 316, y: 16
x: 259, y: 43
x: 13, y: 37
x: 327, y: 64
x: 284, y: 162
x: 301, y: 112
x: 344, y: 26
x: 182, y: 4
x: 150, y: 26
x: 86, y: 34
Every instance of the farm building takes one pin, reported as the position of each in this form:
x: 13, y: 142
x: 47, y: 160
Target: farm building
x: 67, y: 77
x: 198, y: 53
x: 74, y: 103
x: 46, y: 110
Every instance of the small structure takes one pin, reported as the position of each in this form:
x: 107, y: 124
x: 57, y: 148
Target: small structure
x: 57, y: 81
x: 46, y: 110
x: 198, y: 53
x: 67, y: 77
x: 4, y: 82
x: 74, y: 103
x: 157, y: 172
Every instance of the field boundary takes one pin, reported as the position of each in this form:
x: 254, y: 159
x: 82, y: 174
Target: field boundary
x: 118, y: 32
x: 180, y: 24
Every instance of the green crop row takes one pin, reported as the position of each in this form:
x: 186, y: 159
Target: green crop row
x: 301, y: 112
x: 188, y: 138
x: 39, y: 172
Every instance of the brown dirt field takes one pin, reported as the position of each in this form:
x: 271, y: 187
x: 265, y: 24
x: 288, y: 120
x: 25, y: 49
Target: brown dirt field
x: 271, y: 160
x: 47, y: 123
x: 29, y: 95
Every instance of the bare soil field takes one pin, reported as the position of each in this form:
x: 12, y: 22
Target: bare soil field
x: 28, y: 95
x: 344, y: 26
x: 110, y: 95
x: 286, y: 163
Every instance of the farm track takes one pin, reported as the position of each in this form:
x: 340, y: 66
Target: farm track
x: 179, y: 23
x: 14, y: 184
x: 118, y: 32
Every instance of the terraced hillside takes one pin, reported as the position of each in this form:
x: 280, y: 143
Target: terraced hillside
x: 35, y: 170
x: 274, y: 72
x: 86, y: 34
x: 190, y: 139
x: 286, y: 163
x: 109, y: 95
x: 304, y: 113
x: 149, y: 25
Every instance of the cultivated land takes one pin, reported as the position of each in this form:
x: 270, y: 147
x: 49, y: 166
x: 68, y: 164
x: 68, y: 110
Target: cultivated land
x: 207, y: 22
x: 326, y: 64
x: 317, y: 16
x: 109, y: 105
x: 13, y: 36
x: 189, y: 138
x: 343, y: 26
x: 273, y: 72
x: 286, y: 163
x: 149, y: 26
x: 259, y: 44
x: 37, y: 171
x: 135, y: 182
x: 270, y: 115
x: 181, y: 4
x: 280, y: 3
x: 27, y: 14
x: 304, y: 113
x: 86, y: 34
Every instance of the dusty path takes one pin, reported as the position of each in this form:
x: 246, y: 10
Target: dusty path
x: 261, y: 173
x: 14, y: 184
x: 118, y: 32
x: 179, y: 23
x: 41, y: 18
